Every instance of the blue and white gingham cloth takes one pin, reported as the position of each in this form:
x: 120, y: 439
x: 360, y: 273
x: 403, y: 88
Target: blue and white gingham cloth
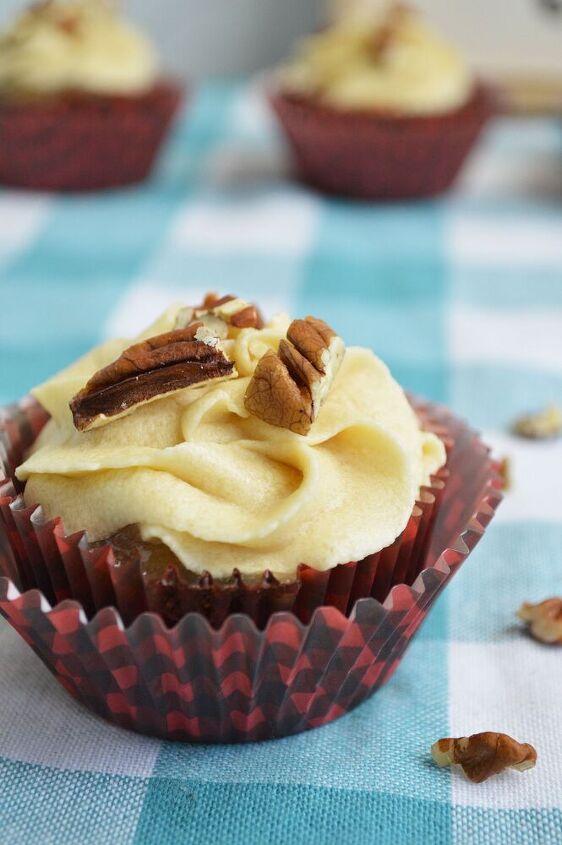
x: 462, y: 296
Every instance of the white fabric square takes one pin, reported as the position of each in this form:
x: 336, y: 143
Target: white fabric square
x: 250, y: 115
x: 21, y: 216
x: 531, y: 339
x: 282, y: 221
x: 40, y: 723
x: 514, y: 687
x: 237, y: 165
x: 503, y: 240
x: 536, y: 489
x: 495, y: 175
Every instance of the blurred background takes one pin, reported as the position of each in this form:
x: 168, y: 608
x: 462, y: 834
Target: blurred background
x: 241, y: 36
x: 223, y: 211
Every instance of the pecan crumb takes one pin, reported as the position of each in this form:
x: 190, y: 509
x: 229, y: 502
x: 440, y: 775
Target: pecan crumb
x: 289, y: 387
x: 220, y: 313
x: 541, y: 425
x: 484, y: 754
x: 504, y: 470
x: 544, y: 619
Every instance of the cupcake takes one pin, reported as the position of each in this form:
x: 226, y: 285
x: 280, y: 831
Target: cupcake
x: 379, y: 107
x: 282, y: 510
x: 218, y: 455
x: 82, y: 104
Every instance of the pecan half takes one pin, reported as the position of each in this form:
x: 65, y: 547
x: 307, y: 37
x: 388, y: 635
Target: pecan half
x: 288, y: 389
x: 485, y: 754
x: 150, y: 370
x: 275, y: 398
x: 545, y: 620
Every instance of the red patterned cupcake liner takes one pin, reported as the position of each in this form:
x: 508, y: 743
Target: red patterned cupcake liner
x: 82, y: 142
x: 369, y: 155
x: 237, y: 682
x: 67, y: 566
x: 174, y: 592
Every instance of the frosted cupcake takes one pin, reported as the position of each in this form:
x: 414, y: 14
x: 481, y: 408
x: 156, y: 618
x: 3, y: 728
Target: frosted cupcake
x: 379, y: 107
x: 234, y: 465
x: 82, y: 102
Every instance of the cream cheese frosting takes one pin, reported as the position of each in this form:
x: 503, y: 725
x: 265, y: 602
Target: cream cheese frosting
x: 395, y: 63
x: 223, y: 489
x: 75, y: 45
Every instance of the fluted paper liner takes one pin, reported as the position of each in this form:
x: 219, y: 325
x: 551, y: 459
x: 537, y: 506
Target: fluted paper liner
x: 84, y: 142
x: 377, y: 155
x: 237, y: 682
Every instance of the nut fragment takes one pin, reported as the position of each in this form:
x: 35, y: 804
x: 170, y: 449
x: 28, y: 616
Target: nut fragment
x: 275, y: 398
x: 388, y: 29
x: 150, y: 370
x: 485, y: 754
x: 540, y: 426
x: 504, y: 470
x: 545, y: 620
x: 217, y: 314
x: 288, y: 388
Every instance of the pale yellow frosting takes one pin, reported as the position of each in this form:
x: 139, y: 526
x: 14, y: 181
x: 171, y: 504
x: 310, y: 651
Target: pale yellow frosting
x: 417, y: 72
x: 75, y: 45
x: 223, y: 489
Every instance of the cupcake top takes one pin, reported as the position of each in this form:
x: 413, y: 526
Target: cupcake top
x: 391, y: 63
x: 74, y: 45
x: 235, y: 443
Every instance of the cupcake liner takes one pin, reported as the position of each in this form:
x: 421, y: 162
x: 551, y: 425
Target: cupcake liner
x: 81, y: 142
x: 238, y: 682
x: 369, y: 155
x: 67, y: 566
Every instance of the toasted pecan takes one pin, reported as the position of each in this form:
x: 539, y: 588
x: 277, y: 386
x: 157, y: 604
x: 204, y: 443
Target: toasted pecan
x: 219, y: 313
x: 544, y: 620
x: 147, y: 371
x: 289, y: 387
x: 484, y: 754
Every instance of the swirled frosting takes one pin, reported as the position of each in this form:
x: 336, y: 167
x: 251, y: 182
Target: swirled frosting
x: 75, y: 45
x: 221, y: 488
x: 393, y: 64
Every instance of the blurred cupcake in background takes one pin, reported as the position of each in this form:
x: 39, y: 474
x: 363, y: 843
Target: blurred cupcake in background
x: 379, y: 106
x: 82, y: 102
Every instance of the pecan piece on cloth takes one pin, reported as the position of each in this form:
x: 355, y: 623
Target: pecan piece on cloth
x: 545, y: 620
x: 505, y: 473
x: 218, y: 313
x: 485, y: 754
x: 150, y: 370
x: 541, y: 425
x: 289, y: 387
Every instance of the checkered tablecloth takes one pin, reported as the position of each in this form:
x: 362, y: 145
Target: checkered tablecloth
x: 463, y: 298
